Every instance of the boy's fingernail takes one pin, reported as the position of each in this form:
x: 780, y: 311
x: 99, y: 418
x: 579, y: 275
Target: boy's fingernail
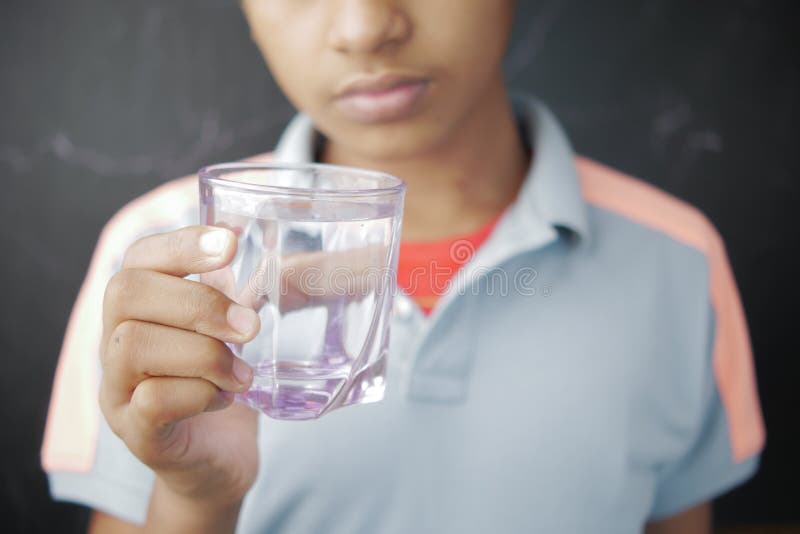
x: 214, y: 242
x: 244, y: 320
x: 241, y: 371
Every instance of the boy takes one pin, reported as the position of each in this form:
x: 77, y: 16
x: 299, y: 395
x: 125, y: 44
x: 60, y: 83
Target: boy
x: 615, y: 393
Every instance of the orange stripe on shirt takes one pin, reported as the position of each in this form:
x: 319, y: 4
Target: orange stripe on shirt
x: 732, y: 354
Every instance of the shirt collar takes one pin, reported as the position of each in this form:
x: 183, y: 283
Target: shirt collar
x: 550, y: 196
x: 552, y: 187
x: 298, y: 142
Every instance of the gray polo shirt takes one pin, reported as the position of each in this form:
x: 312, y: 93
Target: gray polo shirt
x: 588, y: 370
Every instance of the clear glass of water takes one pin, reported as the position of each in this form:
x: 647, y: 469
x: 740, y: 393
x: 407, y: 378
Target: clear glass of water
x: 316, y: 258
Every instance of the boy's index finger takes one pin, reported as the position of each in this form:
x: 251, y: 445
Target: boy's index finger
x: 190, y: 250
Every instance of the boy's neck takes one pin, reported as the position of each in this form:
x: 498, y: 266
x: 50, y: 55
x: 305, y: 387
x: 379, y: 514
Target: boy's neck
x: 462, y: 184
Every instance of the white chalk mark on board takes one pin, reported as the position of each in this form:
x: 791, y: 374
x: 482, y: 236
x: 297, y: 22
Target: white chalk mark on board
x: 707, y: 141
x: 64, y: 149
x: 670, y: 121
x: 212, y: 137
x: 15, y: 158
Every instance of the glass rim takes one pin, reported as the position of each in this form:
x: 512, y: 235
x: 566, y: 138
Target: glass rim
x: 207, y: 175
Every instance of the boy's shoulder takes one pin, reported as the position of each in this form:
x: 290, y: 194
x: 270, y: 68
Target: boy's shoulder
x: 645, y: 204
x: 633, y: 201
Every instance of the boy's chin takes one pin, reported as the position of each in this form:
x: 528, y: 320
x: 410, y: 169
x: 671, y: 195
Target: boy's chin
x: 391, y: 142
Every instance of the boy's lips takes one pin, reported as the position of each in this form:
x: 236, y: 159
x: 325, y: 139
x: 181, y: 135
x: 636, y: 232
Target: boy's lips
x: 380, y: 98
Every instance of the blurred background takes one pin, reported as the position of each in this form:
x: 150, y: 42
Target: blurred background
x: 104, y: 99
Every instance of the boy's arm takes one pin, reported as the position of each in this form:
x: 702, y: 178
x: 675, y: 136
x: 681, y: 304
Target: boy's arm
x: 103, y: 523
x: 695, y: 520
x: 169, y: 512
x: 172, y: 512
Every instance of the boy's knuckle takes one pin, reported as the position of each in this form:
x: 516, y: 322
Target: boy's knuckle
x: 130, y: 254
x: 114, y: 288
x: 121, y: 287
x: 125, y: 340
x: 147, y: 404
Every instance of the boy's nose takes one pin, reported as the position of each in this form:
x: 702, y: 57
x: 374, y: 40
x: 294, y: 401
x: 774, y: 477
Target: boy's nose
x: 368, y: 26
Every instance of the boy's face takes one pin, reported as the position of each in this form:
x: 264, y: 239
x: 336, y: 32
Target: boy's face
x: 384, y: 78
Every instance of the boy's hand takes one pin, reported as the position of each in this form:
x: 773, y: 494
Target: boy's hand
x: 168, y: 378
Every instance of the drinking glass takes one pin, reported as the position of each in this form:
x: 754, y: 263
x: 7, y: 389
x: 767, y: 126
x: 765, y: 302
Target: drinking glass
x: 316, y: 259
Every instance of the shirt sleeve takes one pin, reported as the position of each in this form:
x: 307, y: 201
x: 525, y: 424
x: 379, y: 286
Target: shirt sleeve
x: 84, y: 460
x: 117, y: 482
x: 726, y: 447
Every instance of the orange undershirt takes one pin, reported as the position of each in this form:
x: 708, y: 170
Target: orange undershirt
x: 425, y: 268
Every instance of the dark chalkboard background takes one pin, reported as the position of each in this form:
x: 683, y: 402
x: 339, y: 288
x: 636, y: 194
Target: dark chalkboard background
x: 104, y: 99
